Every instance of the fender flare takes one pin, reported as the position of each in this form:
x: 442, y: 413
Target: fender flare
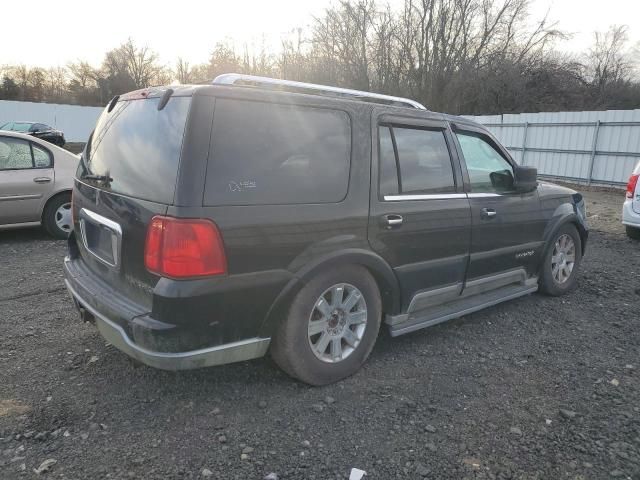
x: 563, y: 215
x: 375, y: 264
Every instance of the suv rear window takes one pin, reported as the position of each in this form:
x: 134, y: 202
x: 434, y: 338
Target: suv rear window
x: 264, y: 153
x: 139, y: 147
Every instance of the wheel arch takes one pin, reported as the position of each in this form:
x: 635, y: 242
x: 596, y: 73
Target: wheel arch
x: 379, y: 269
x: 559, y: 221
x: 50, y: 198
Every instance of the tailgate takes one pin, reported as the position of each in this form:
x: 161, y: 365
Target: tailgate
x: 110, y: 232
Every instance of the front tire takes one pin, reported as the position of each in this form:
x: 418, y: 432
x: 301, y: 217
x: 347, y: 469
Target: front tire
x: 331, y: 326
x: 56, y: 217
x: 632, y: 233
x: 560, y: 265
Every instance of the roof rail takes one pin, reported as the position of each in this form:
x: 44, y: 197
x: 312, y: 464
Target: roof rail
x: 312, y: 88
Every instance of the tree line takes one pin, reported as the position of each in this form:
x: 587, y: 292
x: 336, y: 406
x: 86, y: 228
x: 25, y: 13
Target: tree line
x: 457, y: 56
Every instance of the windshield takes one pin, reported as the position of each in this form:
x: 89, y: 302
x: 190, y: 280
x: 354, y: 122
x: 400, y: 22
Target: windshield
x: 137, y: 148
x: 21, y: 127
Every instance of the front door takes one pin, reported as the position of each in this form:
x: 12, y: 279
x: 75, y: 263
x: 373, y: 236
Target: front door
x: 26, y: 178
x: 419, y: 215
x: 507, y: 227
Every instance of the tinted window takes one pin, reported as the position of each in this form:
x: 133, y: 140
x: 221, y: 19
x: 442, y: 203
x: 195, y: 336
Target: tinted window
x: 14, y: 154
x: 39, y: 127
x: 41, y: 157
x: 274, y: 154
x: 388, y: 167
x: 6, y: 126
x: 425, y: 165
x: 481, y: 159
x: 139, y: 147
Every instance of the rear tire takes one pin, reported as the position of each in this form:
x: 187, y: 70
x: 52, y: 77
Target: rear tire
x: 324, y: 306
x: 559, y: 271
x: 632, y: 232
x: 56, y: 217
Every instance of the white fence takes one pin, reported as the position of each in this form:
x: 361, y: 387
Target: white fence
x: 586, y: 147
x: 75, y: 121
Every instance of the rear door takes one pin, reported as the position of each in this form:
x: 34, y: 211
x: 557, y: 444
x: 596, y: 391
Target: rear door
x: 507, y: 227
x: 26, y: 179
x: 419, y: 214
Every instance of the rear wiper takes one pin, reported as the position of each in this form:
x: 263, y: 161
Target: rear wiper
x: 98, y: 178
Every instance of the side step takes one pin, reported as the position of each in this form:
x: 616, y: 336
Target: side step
x: 458, y: 308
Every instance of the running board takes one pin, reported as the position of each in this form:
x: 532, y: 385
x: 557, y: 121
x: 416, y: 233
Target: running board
x: 458, y: 308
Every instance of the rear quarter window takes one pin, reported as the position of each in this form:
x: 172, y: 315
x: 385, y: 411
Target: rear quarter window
x: 264, y: 153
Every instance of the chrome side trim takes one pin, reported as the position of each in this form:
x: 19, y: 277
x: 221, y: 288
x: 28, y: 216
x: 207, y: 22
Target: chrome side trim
x: 10, y: 226
x: 8, y: 198
x: 233, y: 78
x: 436, y: 196
x: 483, y: 195
x: 113, y: 227
x: 204, y: 357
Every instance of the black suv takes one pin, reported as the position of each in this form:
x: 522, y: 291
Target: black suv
x: 214, y: 223
x: 40, y: 130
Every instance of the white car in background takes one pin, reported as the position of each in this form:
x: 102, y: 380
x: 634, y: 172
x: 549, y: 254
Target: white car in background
x: 36, y: 179
x: 631, y: 207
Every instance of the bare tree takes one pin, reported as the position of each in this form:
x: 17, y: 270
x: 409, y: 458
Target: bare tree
x: 459, y: 56
x: 183, y: 72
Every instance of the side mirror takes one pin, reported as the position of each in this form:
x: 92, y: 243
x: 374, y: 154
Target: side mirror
x: 526, y: 179
x: 502, y: 180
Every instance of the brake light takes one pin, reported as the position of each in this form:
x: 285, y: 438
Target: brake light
x: 631, y: 186
x: 182, y: 248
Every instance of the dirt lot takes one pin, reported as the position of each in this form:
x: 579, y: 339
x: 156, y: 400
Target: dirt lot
x: 538, y: 388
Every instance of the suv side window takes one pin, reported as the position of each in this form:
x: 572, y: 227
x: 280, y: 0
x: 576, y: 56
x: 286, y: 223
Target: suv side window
x: 15, y: 154
x: 265, y: 153
x: 422, y: 162
x: 482, y: 159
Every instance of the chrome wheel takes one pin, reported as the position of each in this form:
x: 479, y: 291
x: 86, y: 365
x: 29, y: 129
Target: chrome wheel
x: 337, y: 323
x: 63, y: 217
x: 563, y: 258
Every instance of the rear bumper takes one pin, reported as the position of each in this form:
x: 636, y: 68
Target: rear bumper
x: 115, y: 330
x: 629, y: 216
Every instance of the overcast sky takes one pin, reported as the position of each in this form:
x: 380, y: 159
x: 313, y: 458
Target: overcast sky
x: 69, y: 30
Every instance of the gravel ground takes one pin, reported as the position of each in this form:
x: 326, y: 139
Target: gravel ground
x: 538, y: 388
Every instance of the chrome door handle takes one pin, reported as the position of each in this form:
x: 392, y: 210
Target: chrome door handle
x: 488, y: 213
x: 42, y: 179
x: 393, y: 220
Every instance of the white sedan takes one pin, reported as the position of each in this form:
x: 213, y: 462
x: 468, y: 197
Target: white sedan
x: 36, y: 179
x: 631, y: 207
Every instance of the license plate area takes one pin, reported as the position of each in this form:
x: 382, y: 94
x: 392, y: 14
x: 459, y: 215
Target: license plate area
x: 101, y: 237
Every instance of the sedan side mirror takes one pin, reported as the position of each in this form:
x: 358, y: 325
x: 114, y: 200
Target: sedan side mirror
x: 525, y: 179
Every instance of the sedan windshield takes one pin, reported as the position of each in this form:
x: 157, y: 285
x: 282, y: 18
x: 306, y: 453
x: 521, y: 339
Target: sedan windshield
x: 21, y: 127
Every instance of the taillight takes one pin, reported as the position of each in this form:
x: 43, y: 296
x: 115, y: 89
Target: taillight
x: 631, y: 186
x: 182, y: 248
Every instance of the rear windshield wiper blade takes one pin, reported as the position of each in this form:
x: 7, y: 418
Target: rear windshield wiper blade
x: 98, y: 178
